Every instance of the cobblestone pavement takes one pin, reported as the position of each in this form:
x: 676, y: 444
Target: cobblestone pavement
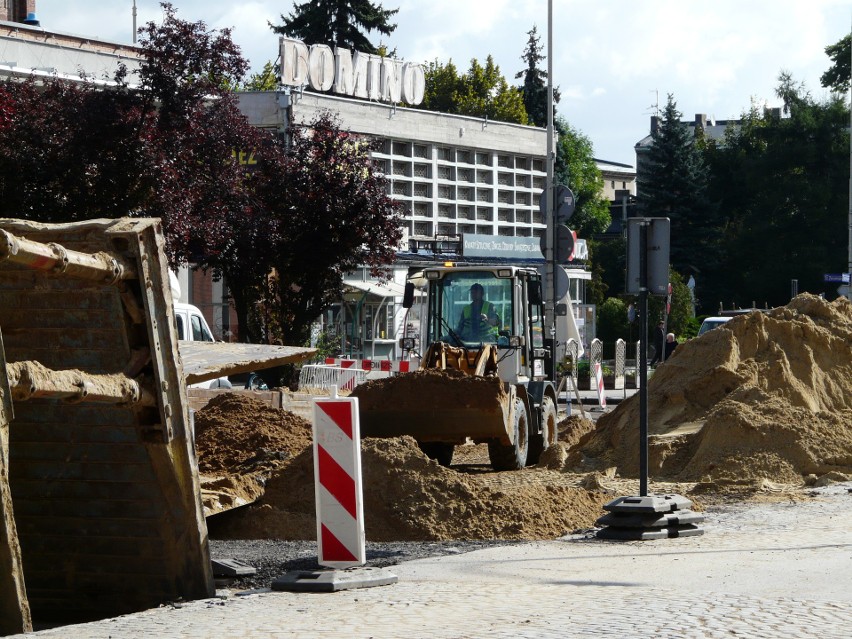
x: 770, y: 570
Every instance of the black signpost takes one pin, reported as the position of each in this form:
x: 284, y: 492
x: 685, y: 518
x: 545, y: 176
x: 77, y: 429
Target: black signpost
x: 647, y: 274
x: 647, y: 516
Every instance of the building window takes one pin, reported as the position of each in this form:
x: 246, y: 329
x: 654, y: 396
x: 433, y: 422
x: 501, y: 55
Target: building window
x: 422, y: 209
x: 445, y: 173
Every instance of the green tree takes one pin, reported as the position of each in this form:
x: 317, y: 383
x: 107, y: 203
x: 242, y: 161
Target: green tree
x: 675, y: 185
x: 266, y: 80
x: 836, y: 77
x: 783, y: 185
x: 480, y: 92
x: 612, y: 322
x: 575, y: 167
x: 337, y: 23
x: 534, y: 88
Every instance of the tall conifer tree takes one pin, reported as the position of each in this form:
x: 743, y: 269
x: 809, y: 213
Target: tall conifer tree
x: 337, y: 23
x: 534, y: 88
x: 675, y: 185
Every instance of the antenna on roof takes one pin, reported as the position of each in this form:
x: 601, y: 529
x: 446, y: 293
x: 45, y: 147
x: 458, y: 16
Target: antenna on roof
x: 655, y: 108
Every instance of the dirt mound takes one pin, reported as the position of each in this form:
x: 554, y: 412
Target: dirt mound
x: 234, y: 430
x: 454, y: 387
x: 408, y: 497
x: 769, y: 395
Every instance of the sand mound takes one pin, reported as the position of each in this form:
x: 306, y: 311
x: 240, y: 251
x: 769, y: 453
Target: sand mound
x: 408, y: 497
x: 233, y: 430
x: 769, y: 395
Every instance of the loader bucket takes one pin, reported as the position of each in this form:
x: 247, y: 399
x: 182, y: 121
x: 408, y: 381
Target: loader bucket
x: 434, y: 405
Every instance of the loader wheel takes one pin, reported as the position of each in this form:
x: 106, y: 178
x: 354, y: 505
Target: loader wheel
x: 439, y: 451
x: 513, y: 456
x: 547, y: 438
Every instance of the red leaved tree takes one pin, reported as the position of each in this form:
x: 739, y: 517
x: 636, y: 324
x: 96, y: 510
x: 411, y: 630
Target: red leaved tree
x: 168, y: 145
x: 334, y: 215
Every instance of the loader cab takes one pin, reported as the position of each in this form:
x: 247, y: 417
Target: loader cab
x: 470, y: 306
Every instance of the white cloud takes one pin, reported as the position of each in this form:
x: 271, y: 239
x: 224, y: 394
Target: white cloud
x: 610, y: 57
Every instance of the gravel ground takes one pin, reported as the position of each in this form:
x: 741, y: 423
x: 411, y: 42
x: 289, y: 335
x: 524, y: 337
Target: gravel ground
x: 272, y: 558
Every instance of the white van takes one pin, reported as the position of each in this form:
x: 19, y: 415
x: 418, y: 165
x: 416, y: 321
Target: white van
x: 192, y: 327
x: 710, y: 323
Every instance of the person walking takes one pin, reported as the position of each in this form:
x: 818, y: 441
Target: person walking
x: 659, y: 342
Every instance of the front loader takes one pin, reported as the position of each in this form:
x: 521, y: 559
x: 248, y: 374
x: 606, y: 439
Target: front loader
x: 483, y: 375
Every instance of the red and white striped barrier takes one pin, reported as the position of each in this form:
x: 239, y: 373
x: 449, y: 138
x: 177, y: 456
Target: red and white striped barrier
x: 337, y: 481
x: 600, y: 384
x: 384, y: 365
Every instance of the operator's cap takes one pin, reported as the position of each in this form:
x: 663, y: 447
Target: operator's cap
x: 476, y: 286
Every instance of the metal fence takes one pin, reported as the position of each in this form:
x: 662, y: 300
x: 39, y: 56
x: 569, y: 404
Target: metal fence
x: 319, y: 378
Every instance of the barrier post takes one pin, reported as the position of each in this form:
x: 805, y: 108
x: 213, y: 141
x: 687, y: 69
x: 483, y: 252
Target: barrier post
x: 341, y: 542
x: 337, y: 482
x: 600, y: 385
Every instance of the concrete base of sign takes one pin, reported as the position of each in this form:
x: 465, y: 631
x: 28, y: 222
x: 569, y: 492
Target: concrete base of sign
x: 649, y: 517
x: 333, y: 580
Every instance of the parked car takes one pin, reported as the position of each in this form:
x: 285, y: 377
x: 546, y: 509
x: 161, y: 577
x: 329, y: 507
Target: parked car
x: 710, y: 323
x: 192, y: 327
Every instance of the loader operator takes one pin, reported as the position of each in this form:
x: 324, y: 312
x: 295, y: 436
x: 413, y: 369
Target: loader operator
x: 479, y: 320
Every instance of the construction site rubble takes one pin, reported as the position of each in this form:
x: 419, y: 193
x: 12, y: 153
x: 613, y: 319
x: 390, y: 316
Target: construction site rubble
x: 762, y: 404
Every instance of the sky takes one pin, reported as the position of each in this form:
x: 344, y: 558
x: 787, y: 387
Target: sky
x: 614, y: 61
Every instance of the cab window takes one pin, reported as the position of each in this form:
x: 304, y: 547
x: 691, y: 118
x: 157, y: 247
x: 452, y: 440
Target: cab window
x: 451, y: 316
x: 199, y: 331
x: 180, y: 327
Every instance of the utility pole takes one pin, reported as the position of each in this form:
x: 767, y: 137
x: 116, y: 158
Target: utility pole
x: 849, y: 263
x: 134, y: 21
x: 549, y: 256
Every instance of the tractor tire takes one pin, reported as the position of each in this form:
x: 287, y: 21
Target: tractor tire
x: 513, y: 456
x: 439, y: 451
x: 547, y: 437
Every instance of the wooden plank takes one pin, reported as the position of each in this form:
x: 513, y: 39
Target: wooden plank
x: 203, y: 361
x: 14, y: 606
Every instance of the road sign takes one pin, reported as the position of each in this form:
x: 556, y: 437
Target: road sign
x: 563, y: 204
x: 564, y: 249
x: 842, y: 278
x: 561, y: 282
x: 656, y: 254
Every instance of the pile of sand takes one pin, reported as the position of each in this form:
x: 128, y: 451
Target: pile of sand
x: 235, y: 430
x: 240, y: 441
x: 765, y: 400
x: 408, y: 497
x: 767, y: 396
